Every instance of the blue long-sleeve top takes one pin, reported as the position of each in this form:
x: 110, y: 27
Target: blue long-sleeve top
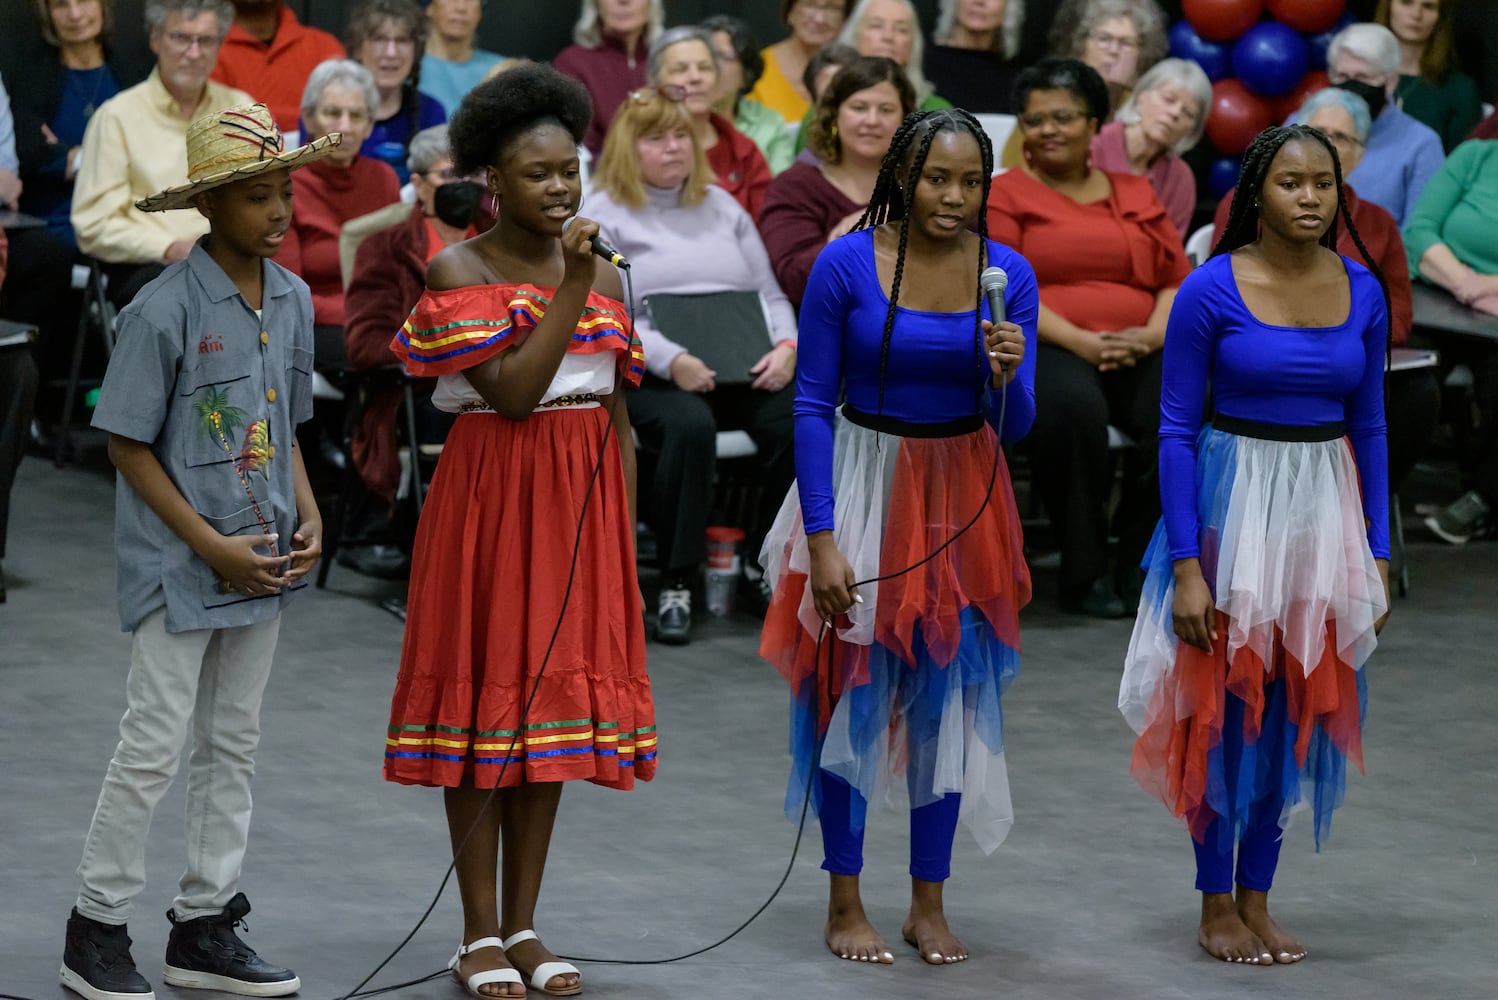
x: 1296, y: 376
x: 932, y: 375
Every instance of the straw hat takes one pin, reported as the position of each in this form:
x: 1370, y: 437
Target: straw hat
x: 230, y: 145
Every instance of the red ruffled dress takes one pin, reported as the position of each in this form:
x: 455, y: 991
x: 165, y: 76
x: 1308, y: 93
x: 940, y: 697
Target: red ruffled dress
x: 492, y: 558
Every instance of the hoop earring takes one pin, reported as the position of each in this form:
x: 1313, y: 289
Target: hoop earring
x: 494, y: 203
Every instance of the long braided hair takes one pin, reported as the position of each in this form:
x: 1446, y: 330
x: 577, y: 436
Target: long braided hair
x: 1243, y: 217
x: 902, y: 167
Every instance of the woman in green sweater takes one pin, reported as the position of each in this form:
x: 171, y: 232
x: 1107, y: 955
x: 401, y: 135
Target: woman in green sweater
x: 1431, y: 88
x: 1449, y: 241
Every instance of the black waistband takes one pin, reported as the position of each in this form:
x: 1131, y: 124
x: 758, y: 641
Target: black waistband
x: 904, y: 428
x: 1278, y: 432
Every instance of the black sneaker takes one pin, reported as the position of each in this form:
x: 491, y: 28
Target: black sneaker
x: 673, y: 624
x: 1464, y: 519
x: 96, y: 962
x: 204, y: 953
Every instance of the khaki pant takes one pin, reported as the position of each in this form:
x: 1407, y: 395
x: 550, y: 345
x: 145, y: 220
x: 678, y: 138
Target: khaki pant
x: 213, y: 679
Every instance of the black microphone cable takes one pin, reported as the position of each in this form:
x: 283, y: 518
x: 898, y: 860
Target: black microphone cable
x: 360, y: 991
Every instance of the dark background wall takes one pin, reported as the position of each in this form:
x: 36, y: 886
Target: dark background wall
x: 541, y: 28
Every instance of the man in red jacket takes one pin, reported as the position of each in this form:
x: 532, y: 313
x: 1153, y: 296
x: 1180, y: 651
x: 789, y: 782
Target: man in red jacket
x: 269, y: 54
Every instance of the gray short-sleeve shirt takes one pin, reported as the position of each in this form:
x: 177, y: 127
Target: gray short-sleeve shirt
x: 217, y: 392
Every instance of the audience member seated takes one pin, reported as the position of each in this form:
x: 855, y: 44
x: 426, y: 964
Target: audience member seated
x: 813, y: 25
x: 1431, y: 89
x: 684, y: 236
x: 1413, y: 400
x: 70, y: 70
x: 384, y: 37
x: 972, y: 62
x: 812, y: 204
x: 1403, y: 154
x: 739, y: 66
x: 682, y: 60
x: 1121, y: 39
x: 385, y: 279
x: 609, y: 54
x: 454, y: 64
x: 34, y: 289
x: 270, y: 54
x: 1164, y: 117
x: 18, y: 382
x: 10, y: 164
x: 1487, y: 128
x: 340, y: 97
x: 891, y: 29
x: 1449, y: 239
x: 828, y: 61
x: 136, y: 145
x: 1108, y: 260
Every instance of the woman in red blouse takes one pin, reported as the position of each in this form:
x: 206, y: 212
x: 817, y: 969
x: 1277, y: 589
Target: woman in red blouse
x: 684, y: 58
x: 340, y: 97
x: 1109, y: 261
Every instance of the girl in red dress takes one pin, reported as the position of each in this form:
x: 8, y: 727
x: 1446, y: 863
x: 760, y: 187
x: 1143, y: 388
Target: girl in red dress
x: 529, y: 342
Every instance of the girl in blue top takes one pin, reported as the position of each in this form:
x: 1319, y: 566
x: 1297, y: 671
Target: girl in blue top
x: 1268, y: 575
x: 900, y: 536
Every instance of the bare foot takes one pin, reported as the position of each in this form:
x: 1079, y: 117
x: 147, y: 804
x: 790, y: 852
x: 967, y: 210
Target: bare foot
x: 930, y: 935
x: 850, y: 935
x: 1253, y: 909
x: 487, y: 960
x: 926, y: 927
x: 528, y: 956
x: 1224, y: 935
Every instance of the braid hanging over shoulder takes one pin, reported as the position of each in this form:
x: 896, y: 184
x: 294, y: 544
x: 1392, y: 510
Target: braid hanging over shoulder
x: 1243, y: 217
x: 902, y: 167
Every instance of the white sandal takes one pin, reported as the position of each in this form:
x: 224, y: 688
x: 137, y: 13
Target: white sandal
x: 546, y: 971
x: 489, y: 976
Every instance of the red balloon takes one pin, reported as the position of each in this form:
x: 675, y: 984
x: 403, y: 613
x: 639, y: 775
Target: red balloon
x: 1290, y: 103
x: 1238, y: 114
x: 1310, y: 17
x: 1223, y: 20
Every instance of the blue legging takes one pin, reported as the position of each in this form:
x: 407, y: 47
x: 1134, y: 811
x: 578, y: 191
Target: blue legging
x: 1259, y: 845
x: 931, y: 830
x: 1258, y: 854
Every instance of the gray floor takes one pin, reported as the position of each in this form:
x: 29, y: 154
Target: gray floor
x: 1090, y: 897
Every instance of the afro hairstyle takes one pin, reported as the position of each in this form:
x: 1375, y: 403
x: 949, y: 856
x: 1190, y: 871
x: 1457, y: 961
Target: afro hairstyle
x: 499, y: 110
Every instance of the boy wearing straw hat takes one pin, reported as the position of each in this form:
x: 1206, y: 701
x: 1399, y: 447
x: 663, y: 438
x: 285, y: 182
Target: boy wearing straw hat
x: 215, y: 528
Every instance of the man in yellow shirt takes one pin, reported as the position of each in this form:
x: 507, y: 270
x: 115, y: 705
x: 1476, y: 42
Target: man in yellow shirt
x: 136, y: 143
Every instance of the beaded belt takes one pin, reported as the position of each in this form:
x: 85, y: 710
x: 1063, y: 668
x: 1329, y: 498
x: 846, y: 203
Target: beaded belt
x: 576, y: 399
x: 580, y: 399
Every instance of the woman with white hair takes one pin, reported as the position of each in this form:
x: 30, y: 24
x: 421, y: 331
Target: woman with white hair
x: 972, y: 59
x: 1119, y: 38
x: 1163, y: 118
x: 340, y: 97
x: 1402, y: 154
x: 611, y: 46
x: 684, y: 68
x: 890, y: 28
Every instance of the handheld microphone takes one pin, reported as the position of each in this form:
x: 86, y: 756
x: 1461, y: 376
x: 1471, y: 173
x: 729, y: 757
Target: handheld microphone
x: 994, y: 281
x: 608, y: 253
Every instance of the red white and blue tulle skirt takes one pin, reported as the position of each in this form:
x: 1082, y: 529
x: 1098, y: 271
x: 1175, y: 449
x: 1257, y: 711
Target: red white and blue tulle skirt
x: 1284, y: 550
x: 903, y: 697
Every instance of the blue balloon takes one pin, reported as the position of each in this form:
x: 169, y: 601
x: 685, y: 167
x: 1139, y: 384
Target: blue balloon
x: 1319, y: 43
x: 1271, y: 58
x: 1223, y: 174
x: 1213, y: 58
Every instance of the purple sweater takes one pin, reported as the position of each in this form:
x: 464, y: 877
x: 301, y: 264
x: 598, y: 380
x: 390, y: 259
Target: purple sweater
x: 688, y: 250
x: 610, y: 74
